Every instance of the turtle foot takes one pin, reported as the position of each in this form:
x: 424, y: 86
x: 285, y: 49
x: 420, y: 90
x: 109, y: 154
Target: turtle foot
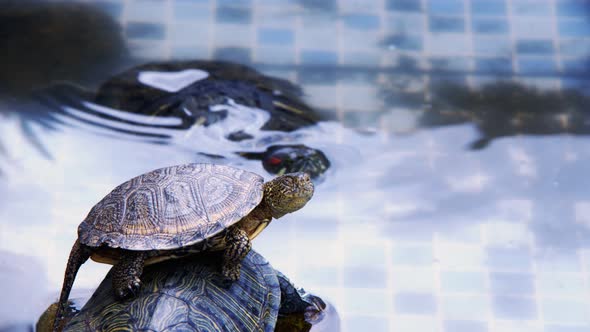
x: 127, y: 288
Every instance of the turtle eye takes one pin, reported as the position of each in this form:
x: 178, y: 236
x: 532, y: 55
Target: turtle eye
x: 274, y: 161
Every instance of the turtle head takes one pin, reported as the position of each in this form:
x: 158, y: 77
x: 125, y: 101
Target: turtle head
x: 288, y: 193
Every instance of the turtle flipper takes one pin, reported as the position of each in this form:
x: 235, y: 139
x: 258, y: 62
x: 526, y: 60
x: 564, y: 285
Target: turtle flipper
x: 78, y: 255
x: 238, y: 246
x: 126, y: 274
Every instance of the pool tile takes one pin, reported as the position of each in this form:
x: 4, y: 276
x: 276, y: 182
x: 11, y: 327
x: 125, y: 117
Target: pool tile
x: 413, y: 280
x: 462, y: 282
x: 566, y: 328
x: 233, y: 14
x: 487, y: 7
x: 275, y: 36
x: 534, y: 47
x: 362, y: 21
x: 531, y: 8
x: 509, y: 258
x: 146, y: 11
x: 415, y: 303
x: 575, y: 47
x: 321, y: 276
x: 558, y: 261
x: 140, y: 30
x: 446, y: 24
x: 489, y: 26
x: 236, y: 54
x: 492, y: 46
x: 403, y: 5
x: 532, y: 28
x: 446, y: 7
x: 402, y: 42
x: 574, y: 28
x: 408, y: 324
x: 365, y: 323
x: 405, y: 24
x: 512, y: 307
x: 572, y: 8
x: 412, y: 255
x: 465, y: 326
x: 565, y: 311
x: 512, y: 283
x: 366, y: 302
x: 561, y: 284
x: 468, y: 307
x: 365, y: 277
x: 494, y: 65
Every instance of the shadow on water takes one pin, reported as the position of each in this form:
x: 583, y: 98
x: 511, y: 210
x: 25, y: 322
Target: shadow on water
x: 45, y: 42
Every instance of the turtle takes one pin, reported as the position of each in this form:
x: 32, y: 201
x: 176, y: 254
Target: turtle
x: 182, y: 94
x: 183, y: 295
x: 180, y: 210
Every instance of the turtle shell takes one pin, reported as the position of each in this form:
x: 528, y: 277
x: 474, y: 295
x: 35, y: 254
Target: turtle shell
x: 172, y: 207
x: 183, y: 295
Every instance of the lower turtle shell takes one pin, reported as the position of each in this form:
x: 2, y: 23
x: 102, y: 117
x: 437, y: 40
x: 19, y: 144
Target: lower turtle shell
x: 185, y: 295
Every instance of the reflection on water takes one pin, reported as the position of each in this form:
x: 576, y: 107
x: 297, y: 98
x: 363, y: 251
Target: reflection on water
x: 410, y: 230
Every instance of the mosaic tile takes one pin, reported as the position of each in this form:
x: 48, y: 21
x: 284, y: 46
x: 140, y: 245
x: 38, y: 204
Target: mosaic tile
x: 448, y: 7
x: 414, y: 280
x: 446, y: 24
x: 462, y: 282
x: 565, y: 311
x: 140, y: 30
x: 412, y: 255
x: 494, y: 65
x: 365, y: 277
x: 566, y: 328
x: 572, y: 8
x: 415, y: 303
x: 465, y: 326
x: 574, y: 28
x: 230, y: 14
x: 496, y: 46
x: 511, y: 307
x: 275, y: 36
x: 489, y: 26
x: 404, y: 5
x: 536, y: 47
x: 531, y: 8
x: 532, y: 28
x: 362, y: 21
x: 512, y: 283
x: 465, y: 307
x: 365, y: 323
x: 486, y: 7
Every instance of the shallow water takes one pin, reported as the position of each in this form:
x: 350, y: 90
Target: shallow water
x: 410, y: 230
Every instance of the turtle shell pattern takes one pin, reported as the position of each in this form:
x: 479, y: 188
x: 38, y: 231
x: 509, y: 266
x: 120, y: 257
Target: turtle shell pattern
x: 172, y: 207
x: 182, y: 295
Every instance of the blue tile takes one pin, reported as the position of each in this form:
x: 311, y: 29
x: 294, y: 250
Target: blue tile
x: 494, y: 65
x: 576, y: 66
x: 188, y: 11
x: 446, y: 7
x: 415, y: 303
x: 536, y: 66
x: 418, y: 255
x: 574, y: 28
x: 509, y: 258
x: 451, y: 63
x: 319, y: 57
x: 489, y: 26
x: 227, y: 14
x: 318, y: 276
x: 362, y: 21
x: 512, y: 284
x: 365, y: 255
x: 476, y: 307
x: 137, y: 30
x: 534, y: 46
x: 404, y: 5
x: 192, y: 2
x: 488, y: 7
x: 575, y: 47
x: 465, y: 326
x: 492, y: 46
x: 462, y: 282
x: 566, y: 328
x: 569, y: 311
x: 403, y: 42
x: 276, y: 36
x: 573, y: 8
x: 364, y: 277
x: 237, y: 54
x: 320, y: 6
x: 366, y: 323
x: 234, y: 2
x: 446, y: 24
x: 189, y: 52
x: 531, y: 8
x: 511, y: 307
x: 113, y: 9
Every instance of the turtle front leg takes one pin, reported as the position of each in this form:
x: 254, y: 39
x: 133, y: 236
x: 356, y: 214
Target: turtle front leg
x: 238, y: 246
x: 126, y: 274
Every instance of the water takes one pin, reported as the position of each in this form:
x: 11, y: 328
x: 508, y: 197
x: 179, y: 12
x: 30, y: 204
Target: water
x: 439, y: 213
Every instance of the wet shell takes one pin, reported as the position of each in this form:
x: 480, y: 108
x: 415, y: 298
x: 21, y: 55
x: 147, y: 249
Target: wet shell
x: 183, y: 296
x: 172, y: 207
